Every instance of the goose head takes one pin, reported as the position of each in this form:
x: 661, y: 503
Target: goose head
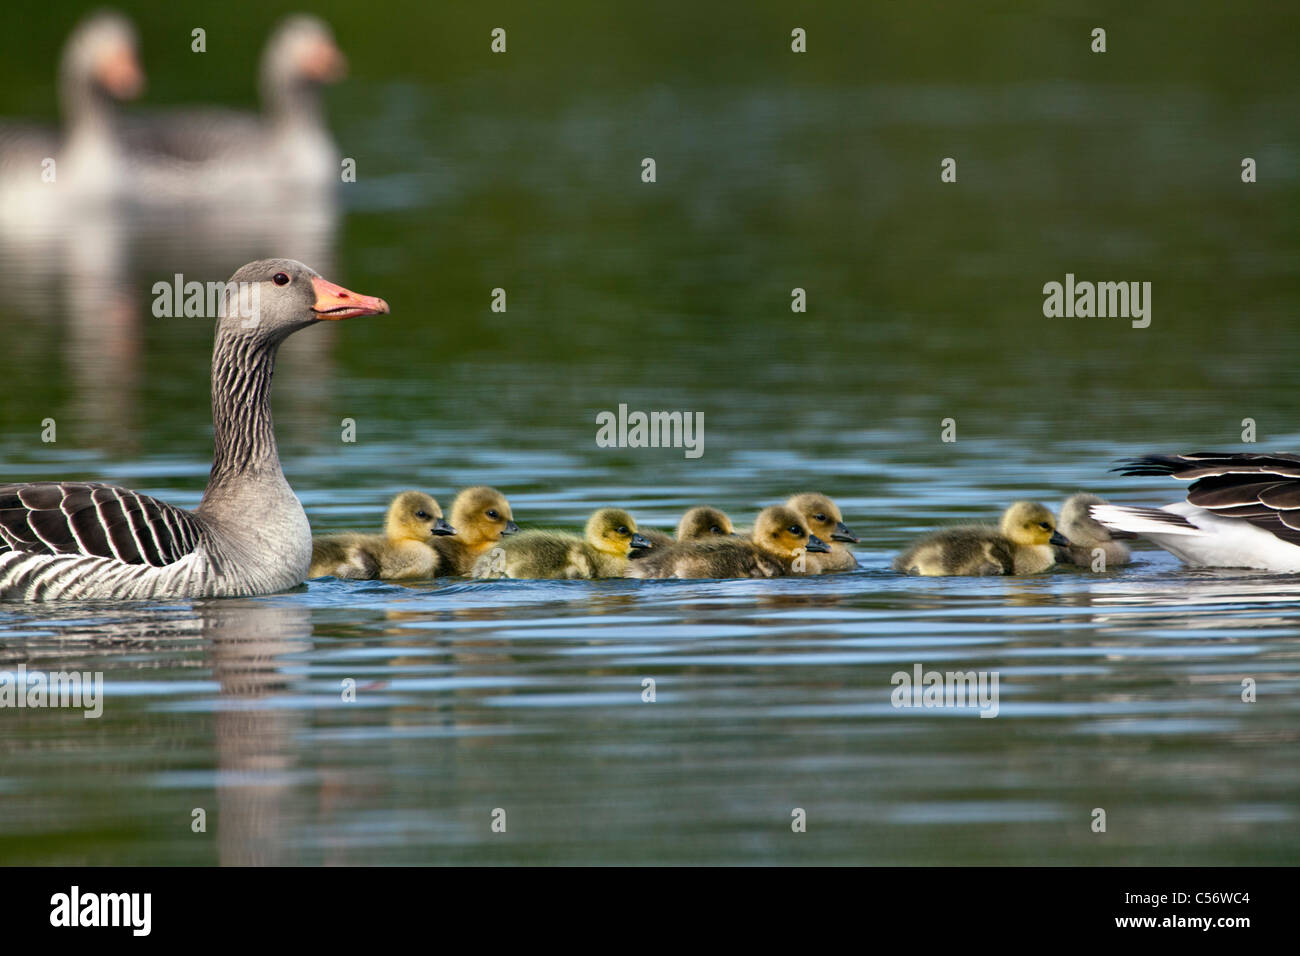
x: 100, y: 65
x: 482, y: 516
x: 272, y: 298
x: 1029, y: 523
x: 780, y: 530
x: 299, y: 59
x: 822, y: 517
x: 414, y: 516
x: 612, y: 531
x: 700, y: 523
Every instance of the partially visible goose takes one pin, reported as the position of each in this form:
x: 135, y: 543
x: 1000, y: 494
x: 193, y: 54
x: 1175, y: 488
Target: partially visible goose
x: 1242, y: 510
x: 249, y: 535
x: 780, y: 538
x: 825, y: 520
x: 1088, y: 535
x: 482, y: 517
x: 99, y: 67
x: 600, y: 553
x: 697, y: 524
x: 287, y: 143
x: 405, y: 549
x: 1021, y: 544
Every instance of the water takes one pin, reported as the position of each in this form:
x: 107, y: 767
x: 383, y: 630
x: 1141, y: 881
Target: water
x: 1120, y: 691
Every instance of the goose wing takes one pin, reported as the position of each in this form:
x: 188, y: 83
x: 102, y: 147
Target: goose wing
x: 1261, y: 489
x: 97, y: 520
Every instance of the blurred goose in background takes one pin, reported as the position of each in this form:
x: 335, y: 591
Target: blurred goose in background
x: 696, y: 524
x: 1242, y: 510
x: 602, y: 551
x: 98, y: 69
x: 404, y: 550
x: 1086, y: 535
x: 780, y: 538
x: 482, y: 517
x: 249, y: 535
x: 287, y: 144
x: 1022, y: 544
x: 822, y: 515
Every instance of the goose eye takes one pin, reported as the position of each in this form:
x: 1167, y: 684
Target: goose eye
x: 796, y: 531
x: 819, y: 517
x: 622, y: 529
x: 421, y: 514
x: 1045, y: 526
x: 280, y: 278
x: 493, y: 515
x: 716, y: 530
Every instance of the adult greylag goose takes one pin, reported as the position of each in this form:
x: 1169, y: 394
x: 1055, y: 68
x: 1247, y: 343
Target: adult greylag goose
x: 1242, y: 510
x: 288, y: 142
x: 74, y: 540
x: 99, y: 67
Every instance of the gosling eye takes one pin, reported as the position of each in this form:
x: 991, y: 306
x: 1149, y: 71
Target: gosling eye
x: 622, y: 529
x: 1045, y: 526
x: 492, y: 514
x: 716, y: 530
x: 280, y: 278
x: 819, y: 517
x: 795, y: 530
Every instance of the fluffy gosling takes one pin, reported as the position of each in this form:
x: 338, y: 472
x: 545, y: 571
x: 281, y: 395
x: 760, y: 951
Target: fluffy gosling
x: 482, y: 517
x: 404, y: 550
x: 779, y: 545
x: 823, y: 518
x: 602, y: 551
x: 1022, y: 544
x: 1087, y: 534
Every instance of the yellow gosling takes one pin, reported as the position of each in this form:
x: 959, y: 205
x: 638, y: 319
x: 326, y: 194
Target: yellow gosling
x: 780, y: 543
x: 482, y: 517
x: 602, y: 551
x: 404, y: 550
x: 823, y: 518
x: 1022, y: 544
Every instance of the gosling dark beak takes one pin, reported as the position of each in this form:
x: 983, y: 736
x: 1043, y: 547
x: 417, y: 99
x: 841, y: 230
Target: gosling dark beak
x: 817, y: 545
x: 1059, y: 539
x: 842, y: 533
x: 510, y: 528
x: 441, y: 527
x: 640, y: 541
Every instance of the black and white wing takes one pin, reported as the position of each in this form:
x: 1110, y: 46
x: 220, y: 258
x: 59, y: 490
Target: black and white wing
x: 1261, y: 489
x: 97, y: 520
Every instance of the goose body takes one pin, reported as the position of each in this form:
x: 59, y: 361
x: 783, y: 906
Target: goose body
x: 823, y: 517
x: 482, y: 517
x: 1091, y: 542
x: 779, y: 541
x: 1021, y: 544
x: 249, y: 534
x: 1242, y: 510
x: 602, y: 551
x: 405, y: 550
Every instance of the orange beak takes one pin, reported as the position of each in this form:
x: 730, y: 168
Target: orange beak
x: 325, y: 63
x: 335, y: 302
x: 121, y: 74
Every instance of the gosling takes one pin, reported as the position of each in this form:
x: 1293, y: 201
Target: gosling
x: 1087, y: 534
x: 404, y: 550
x: 602, y: 551
x: 482, y: 517
x: 780, y: 545
x: 1021, y: 545
x: 824, y: 520
x: 696, y: 525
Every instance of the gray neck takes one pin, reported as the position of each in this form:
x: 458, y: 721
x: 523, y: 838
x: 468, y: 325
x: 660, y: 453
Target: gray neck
x: 291, y: 102
x: 243, y: 362
x: 85, y: 107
